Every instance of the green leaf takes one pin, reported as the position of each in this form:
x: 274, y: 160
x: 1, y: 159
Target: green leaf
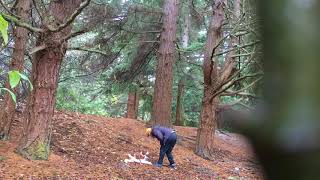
x: 14, y: 78
x: 24, y: 77
x: 13, y: 96
x: 4, y: 29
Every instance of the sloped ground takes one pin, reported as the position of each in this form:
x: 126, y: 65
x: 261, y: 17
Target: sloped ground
x: 93, y: 147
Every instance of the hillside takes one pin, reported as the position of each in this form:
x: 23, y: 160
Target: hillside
x: 88, y: 146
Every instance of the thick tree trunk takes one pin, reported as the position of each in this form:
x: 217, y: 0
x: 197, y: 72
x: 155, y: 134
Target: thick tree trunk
x: 36, y: 140
x: 208, y: 119
x: 133, y: 105
x: 20, y: 39
x: 45, y: 72
x: 179, y: 109
x: 163, y: 85
x: 205, y: 133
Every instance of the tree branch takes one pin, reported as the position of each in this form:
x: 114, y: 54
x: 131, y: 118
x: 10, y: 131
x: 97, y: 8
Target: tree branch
x: 236, y: 73
x: 241, y: 55
x: 19, y: 23
x: 239, y: 92
x: 236, y: 48
x: 223, y: 106
x: 230, y: 93
x: 87, y: 50
x: 232, y: 83
x: 139, y: 32
x: 74, y: 34
x: 37, y: 48
x: 72, y: 17
x: 79, y: 76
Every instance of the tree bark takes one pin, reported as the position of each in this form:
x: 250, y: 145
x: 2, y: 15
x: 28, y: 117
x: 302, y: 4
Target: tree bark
x: 179, y: 109
x: 208, y: 124
x: 133, y: 105
x: 45, y: 72
x: 163, y: 85
x: 208, y: 117
x: 20, y: 39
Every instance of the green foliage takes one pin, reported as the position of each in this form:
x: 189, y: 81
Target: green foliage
x: 13, y: 96
x: 14, y: 78
x: 24, y: 77
x: 196, y: 46
x: 191, y: 123
x: 87, y: 89
x: 145, y: 107
x: 82, y: 98
x: 4, y: 29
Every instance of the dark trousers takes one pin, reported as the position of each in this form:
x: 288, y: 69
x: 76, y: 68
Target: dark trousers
x: 166, y: 149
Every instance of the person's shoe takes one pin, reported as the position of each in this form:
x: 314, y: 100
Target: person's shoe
x: 173, y: 166
x: 157, y: 165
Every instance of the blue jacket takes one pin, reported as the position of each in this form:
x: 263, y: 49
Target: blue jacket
x: 161, y: 133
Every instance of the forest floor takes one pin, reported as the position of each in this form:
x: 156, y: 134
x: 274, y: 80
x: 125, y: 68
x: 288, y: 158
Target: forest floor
x: 95, y: 147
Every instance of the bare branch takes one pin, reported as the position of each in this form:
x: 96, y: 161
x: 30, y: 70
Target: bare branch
x: 72, y: 17
x: 241, y: 55
x: 88, y: 50
x: 223, y: 106
x: 79, y: 76
x: 232, y: 83
x: 239, y: 92
x: 236, y: 48
x: 19, y: 23
x: 74, y: 34
x: 140, y: 32
x: 38, y: 48
x: 231, y: 78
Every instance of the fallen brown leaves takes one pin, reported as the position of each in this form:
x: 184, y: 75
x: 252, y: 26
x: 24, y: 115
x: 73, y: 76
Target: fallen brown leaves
x: 88, y: 146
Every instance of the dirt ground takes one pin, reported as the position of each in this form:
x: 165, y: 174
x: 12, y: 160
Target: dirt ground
x: 94, y: 147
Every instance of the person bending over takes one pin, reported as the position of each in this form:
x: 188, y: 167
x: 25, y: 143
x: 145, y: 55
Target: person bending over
x: 167, y: 138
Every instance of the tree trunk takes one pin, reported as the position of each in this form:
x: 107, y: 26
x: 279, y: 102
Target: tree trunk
x: 208, y: 119
x: 20, y: 39
x: 163, y: 85
x: 133, y: 105
x: 45, y: 72
x: 179, y: 109
x: 208, y: 124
